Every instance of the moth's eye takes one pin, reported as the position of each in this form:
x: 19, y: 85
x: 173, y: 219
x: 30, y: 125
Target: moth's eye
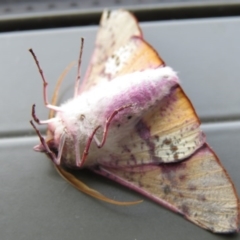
x: 81, y: 117
x: 129, y: 117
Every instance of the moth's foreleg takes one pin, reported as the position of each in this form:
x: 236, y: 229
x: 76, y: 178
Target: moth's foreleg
x: 44, y: 144
x: 108, y: 122
x: 36, y: 119
x: 80, y: 162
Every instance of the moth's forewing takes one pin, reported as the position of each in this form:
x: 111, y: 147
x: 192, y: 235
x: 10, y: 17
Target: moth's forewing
x: 119, y: 49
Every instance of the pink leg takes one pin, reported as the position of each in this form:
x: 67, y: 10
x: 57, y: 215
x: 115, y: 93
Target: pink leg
x: 108, y: 121
x: 76, y: 89
x: 36, y: 119
x: 43, y: 142
x: 86, y: 149
x: 55, y: 108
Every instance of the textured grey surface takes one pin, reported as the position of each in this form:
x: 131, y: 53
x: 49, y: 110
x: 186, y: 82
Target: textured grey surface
x: 36, y: 203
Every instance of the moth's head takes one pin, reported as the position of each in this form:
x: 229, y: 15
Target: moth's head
x: 55, y: 129
x: 54, y: 132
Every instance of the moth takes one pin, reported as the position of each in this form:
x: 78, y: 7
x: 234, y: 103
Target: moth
x: 130, y: 121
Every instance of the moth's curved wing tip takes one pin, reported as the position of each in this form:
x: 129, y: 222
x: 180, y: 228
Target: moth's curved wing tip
x: 106, y: 14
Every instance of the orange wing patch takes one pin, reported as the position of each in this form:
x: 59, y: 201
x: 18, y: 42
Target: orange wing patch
x: 137, y: 55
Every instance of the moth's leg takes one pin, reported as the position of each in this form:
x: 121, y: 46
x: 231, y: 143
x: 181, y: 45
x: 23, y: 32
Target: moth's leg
x: 77, y: 83
x: 60, y: 149
x: 43, y: 142
x: 80, y: 162
x: 36, y: 119
x: 108, y: 121
x: 92, y: 136
x: 77, y: 151
x: 55, y: 108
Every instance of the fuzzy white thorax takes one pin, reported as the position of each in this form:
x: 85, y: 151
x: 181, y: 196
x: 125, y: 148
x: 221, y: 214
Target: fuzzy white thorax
x: 81, y: 115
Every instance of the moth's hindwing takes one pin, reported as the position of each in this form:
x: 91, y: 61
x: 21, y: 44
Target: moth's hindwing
x: 198, y: 188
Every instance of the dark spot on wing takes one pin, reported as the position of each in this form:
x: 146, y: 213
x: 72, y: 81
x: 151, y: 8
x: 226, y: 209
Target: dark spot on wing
x: 133, y: 159
x: 156, y: 158
x: 117, y: 61
x: 173, y: 148
x: 171, y: 172
x: 182, y: 177
x: 175, y: 156
x: 129, y: 117
x: 181, y: 195
x: 201, y: 197
x: 167, y: 141
x: 174, y: 166
x: 156, y: 137
x: 192, y: 187
x: 185, y: 209
x: 126, y: 148
x: 166, y: 189
x: 143, y: 130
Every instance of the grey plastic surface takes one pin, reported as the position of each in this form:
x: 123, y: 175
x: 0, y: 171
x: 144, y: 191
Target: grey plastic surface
x: 36, y: 203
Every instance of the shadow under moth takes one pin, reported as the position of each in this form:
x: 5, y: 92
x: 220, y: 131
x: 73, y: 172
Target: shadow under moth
x: 130, y: 121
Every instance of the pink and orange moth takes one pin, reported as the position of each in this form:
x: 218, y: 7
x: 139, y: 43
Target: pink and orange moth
x: 130, y: 121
